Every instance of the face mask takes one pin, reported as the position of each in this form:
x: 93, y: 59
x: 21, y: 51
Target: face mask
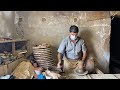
x: 72, y: 37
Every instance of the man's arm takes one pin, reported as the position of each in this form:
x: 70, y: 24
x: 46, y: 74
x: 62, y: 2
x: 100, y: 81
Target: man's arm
x: 61, y: 51
x: 60, y: 57
x: 84, y: 56
x: 84, y: 51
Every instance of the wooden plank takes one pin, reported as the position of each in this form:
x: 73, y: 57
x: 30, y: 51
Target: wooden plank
x: 13, y: 48
x: 28, y: 47
x: 103, y: 76
x: 15, y: 40
x: 18, y: 40
x: 117, y: 75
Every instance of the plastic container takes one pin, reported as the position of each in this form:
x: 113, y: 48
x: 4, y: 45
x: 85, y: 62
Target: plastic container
x: 41, y: 76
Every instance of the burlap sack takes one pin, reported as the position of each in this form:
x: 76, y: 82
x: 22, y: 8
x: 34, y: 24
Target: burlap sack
x: 24, y: 70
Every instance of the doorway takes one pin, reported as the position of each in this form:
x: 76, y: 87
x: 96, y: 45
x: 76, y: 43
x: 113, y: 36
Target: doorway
x: 115, y: 45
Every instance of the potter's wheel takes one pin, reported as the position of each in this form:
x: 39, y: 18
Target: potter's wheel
x: 80, y: 73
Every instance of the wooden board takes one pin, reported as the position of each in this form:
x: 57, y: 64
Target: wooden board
x: 13, y: 48
x: 92, y: 76
x: 3, y: 70
x: 15, y: 40
x: 103, y: 76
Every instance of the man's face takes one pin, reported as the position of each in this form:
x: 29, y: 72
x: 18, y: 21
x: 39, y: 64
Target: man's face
x: 73, y: 35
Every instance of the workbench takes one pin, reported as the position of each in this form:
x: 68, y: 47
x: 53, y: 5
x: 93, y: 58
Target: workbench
x: 92, y: 76
x: 98, y: 75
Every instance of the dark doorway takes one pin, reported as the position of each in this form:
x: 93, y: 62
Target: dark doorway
x: 115, y: 45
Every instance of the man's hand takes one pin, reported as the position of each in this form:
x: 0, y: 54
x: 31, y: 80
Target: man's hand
x: 59, y: 65
x: 84, y: 65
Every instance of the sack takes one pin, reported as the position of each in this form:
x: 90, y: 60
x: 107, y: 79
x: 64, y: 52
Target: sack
x: 24, y: 70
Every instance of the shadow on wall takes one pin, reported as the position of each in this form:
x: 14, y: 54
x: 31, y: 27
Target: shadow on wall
x: 87, y: 36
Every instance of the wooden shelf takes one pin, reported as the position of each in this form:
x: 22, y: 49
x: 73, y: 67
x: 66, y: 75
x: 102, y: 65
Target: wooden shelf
x: 8, y: 68
x: 15, y: 40
x: 13, y: 43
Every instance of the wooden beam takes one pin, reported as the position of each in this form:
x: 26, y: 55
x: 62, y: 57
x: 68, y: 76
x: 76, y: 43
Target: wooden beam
x: 13, y: 48
x: 15, y: 40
